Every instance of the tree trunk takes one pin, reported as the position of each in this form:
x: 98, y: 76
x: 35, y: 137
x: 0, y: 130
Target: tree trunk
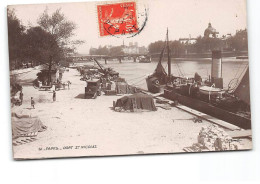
x: 49, y: 71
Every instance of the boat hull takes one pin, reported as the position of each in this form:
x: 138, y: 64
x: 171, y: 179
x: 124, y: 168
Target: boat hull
x: 209, y: 109
x: 152, y: 87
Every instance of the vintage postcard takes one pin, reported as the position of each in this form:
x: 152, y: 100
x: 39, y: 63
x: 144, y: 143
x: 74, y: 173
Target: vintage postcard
x: 129, y: 78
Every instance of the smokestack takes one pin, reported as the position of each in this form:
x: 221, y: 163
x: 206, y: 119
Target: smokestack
x: 216, y: 69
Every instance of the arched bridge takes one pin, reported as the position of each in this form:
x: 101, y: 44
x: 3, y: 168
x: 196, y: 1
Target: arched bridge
x: 120, y: 58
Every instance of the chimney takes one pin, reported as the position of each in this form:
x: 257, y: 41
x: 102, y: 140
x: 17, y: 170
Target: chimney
x: 216, y: 69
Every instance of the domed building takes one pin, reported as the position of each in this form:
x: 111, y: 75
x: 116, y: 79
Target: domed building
x: 210, y: 32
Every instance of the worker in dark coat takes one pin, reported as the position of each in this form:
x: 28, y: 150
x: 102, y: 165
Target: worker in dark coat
x: 54, y: 96
x: 32, y: 103
x: 69, y: 83
x: 21, y: 97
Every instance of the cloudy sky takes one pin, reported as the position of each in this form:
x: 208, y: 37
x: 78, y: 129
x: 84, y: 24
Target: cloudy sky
x: 182, y: 17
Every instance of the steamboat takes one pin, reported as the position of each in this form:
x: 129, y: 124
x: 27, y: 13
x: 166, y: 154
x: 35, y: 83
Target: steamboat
x: 231, y: 105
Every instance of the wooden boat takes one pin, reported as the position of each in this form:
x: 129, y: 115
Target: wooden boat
x: 158, y: 80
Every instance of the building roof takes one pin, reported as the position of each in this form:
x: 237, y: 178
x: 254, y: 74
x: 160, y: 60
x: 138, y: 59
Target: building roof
x: 210, y: 31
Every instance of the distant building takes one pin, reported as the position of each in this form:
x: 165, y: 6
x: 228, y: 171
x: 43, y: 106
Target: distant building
x: 210, y: 32
x: 109, y: 46
x: 225, y: 37
x: 134, y: 49
x: 188, y: 41
x: 226, y: 43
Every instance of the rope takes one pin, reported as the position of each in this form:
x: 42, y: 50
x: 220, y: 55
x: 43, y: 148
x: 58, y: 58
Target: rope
x: 238, y: 80
x: 179, y: 71
x: 181, y: 68
x: 182, y: 72
x: 138, y: 81
x: 230, y: 88
x: 238, y: 70
x: 138, y: 84
x: 136, y: 78
x: 244, y: 70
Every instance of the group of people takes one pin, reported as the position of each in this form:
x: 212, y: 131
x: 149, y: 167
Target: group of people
x: 33, y: 102
x: 21, y: 96
x: 59, y: 84
x: 21, y: 100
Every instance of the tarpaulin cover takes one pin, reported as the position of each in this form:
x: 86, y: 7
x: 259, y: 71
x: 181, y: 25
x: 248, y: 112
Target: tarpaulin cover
x: 143, y: 101
x: 24, y: 125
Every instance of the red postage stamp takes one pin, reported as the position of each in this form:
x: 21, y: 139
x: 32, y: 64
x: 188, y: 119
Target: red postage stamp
x: 117, y: 19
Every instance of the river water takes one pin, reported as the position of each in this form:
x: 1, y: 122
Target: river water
x: 135, y: 73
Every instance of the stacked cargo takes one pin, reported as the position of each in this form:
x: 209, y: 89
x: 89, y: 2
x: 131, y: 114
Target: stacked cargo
x: 214, y: 138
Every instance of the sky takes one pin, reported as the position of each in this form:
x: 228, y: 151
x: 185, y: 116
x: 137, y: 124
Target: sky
x: 182, y: 17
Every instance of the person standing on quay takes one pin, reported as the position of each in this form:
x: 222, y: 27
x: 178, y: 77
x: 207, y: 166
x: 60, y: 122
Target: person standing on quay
x: 69, y: 84
x: 54, y: 96
x: 21, y: 96
x: 32, y: 103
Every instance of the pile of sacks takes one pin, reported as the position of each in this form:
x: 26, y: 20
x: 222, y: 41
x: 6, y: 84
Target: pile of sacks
x: 214, y: 138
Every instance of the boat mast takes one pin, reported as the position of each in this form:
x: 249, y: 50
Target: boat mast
x: 168, y: 53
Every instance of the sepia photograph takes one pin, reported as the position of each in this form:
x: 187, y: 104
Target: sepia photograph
x: 133, y: 77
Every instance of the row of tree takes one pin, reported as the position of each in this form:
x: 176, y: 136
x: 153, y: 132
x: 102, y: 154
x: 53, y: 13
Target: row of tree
x: 176, y: 47
x: 238, y: 42
x: 111, y: 51
x: 47, y: 43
